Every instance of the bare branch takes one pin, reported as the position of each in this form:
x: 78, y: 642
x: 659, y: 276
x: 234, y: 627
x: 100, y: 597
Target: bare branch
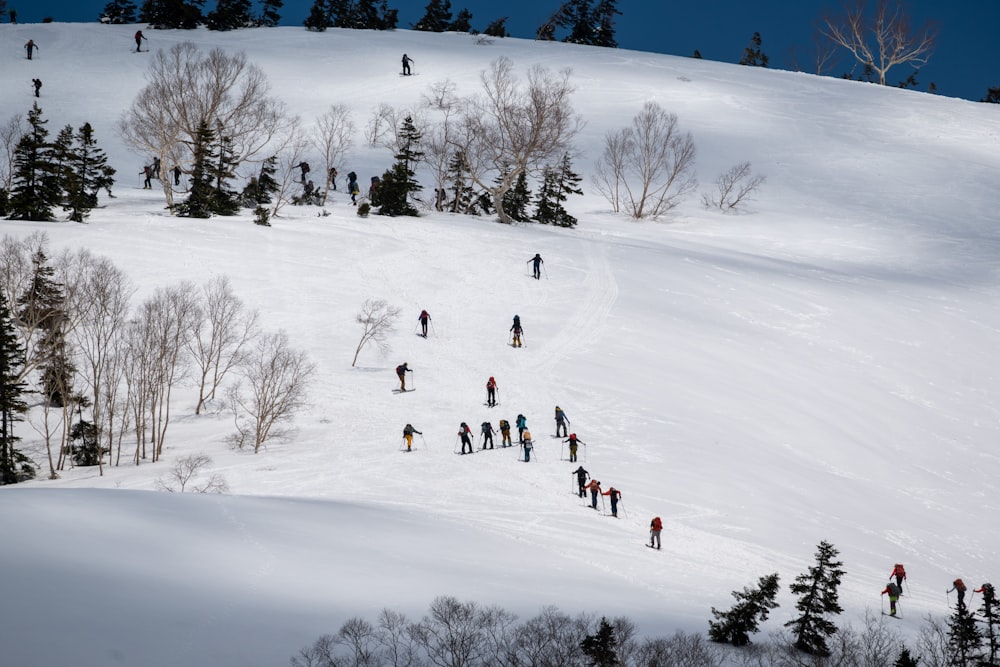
x: 378, y: 319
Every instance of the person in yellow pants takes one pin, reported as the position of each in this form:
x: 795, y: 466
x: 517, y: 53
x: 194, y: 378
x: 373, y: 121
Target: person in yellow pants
x: 408, y: 432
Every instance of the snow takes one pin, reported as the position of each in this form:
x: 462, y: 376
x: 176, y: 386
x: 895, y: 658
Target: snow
x: 819, y: 368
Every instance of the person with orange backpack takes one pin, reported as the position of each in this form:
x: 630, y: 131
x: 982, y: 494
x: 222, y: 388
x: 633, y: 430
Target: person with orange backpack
x: 594, y: 486
x: 655, y: 526
x: 959, y: 587
x: 615, y: 497
x: 899, y: 572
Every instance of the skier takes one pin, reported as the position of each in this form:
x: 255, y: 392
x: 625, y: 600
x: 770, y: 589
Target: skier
x: 536, y: 262
x: 522, y: 426
x: 894, y: 591
x: 373, y: 188
x: 491, y: 392
x: 655, y: 526
x: 573, y: 445
x: 561, y: 421
x: 516, y: 328
x: 177, y: 175
x: 352, y: 187
x: 527, y: 446
x: 333, y: 177
x: 37, y: 83
x: 615, y: 496
x: 138, y: 40
x: 959, y: 586
x: 581, y: 480
x: 899, y: 572
x: 406, y: 64
x: 989, y: 597
x: 401, y: 372
x: 147, y: 171
x: 30, y: 47
x: 595, y: 488
x: 424, y: 318
x: 487, y: 429
x: 466, y: 435
x: 304, y: 166
x: 505, y: 433
x: 408, y: 432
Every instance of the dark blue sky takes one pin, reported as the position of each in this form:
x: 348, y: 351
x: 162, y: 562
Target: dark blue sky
x: 965, y: 63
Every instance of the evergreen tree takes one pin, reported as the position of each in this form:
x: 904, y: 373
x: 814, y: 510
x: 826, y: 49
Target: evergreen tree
x: 342, y: 14
x: 86, y: 448
x: 992, y: 96
x: 199, y: 201
x: 462, y: 22
x: 604, y: 28
x: 497, y: 28
x: 319, y: 17
x: 516, y: 200
x: 436, y: 18
x: 387, y: 18
x: 270, y: 13
x: 399, y: 183
x: 222, y: 169
x: 171, y: 14
x: 36, y: 188
x: 581, y: 22
x: 118, y: 12
x: 42, y: 310
x: 374, y: 15
x: 557, y: 184
x: 262, y: 188
x: 752, y: 607
x: 818, y: 597
x: 989, y: 615
x: 461, y: 190
x: 14, y: 465
x: 752, y: 55
x: 905, y: 659
x: 86, y: 174
x: 229, y: 15
x: 965, y: 641
x: 600, y: 648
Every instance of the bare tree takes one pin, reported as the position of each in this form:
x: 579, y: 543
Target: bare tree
x: 647, y: 169
x: 883, y: 38
x: 293, y: 148
x: 186, y: 470
x: 333, y: 138
x: 453, y: 633
x: 382, y: 122
x: 512, y: 129
x: 186, y: 88
x: 733, y: 189
x: 219, y: 336
x: 10, y: 133
x: 276, y: 377
x: 439, y: 138
x: 379, y: 320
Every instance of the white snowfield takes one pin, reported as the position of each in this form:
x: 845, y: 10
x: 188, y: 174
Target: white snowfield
x: 823, y: 367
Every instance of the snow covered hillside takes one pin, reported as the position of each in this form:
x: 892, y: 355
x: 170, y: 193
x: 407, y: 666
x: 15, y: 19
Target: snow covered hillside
x: 823, y: 367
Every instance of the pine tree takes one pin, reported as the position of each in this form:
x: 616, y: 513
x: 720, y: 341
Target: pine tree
x: 600, y: 648
x: 270, y: 13
x: 387, y: 18
x: 581, y: 22
x: 85, y: 174
x: 516, y: 200
x: 118, y: 12
x: 229, y: 15
x: 199, y: 201
x: 14, y: 465
x: 319, y: 17
x: 905, y: 659
x: 399, y: 183
x: 262, y: 188
x: 497, y: 28
x: 222, y: 169
x: 437, y: 16
x: 752, y: 607
x: 458, y: 176
x: 171, y: 14
x: 992, y: 96
x: 965, y: 641
x: 36, y: 188
x: 341, y: 14
x: 462, y: 22
x: 752, y: 55
x: 604, y: 20
x: 374, y: 15
x: 818, y: 597
x: 557, y: 184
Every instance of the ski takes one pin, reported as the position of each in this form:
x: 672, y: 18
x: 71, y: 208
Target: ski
x: 650, y: 546
x: 895, y: 616
x: 402, y: 391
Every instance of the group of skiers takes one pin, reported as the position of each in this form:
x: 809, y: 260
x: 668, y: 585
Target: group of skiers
x: 894, y: 589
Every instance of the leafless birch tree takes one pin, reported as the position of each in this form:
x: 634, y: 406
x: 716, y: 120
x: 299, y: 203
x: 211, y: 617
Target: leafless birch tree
x: 219, y: 336
x: 882, y: 38
x: 186, y: 470
x: 512, y: 128
x: 648, y: 168
x: 276, y: 378
x: 379, y: 320
x: 438, y: 140
x: 333, y: 137
x: 10, y: 133
x: 733, y: 189
x: 187, y: 87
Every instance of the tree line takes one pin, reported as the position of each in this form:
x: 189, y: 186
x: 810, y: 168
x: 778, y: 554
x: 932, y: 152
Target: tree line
x: 104, y: 369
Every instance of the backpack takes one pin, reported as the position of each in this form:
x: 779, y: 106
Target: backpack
x: 487, y: 427
x: 352, y: 176
x: 894, y: 590
x: 517, y: 320
x: 656, y: 524
x: 504, y: 426
x: 572, y: 438
x: 959, y: 584
x: 408, y: 430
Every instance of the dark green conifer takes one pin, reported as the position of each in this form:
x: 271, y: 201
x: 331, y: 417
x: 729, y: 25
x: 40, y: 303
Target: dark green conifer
x: 752, y: 55
x: 497, y: 28
x: 229, y: 15
x: 462, y: 22
x: 601, y: 647
x: 86, y: 173
x: 965, y: 641
x: 36, y: 186
x: 14, y: 465
x: 752, y: 607
x: 399, y: 183
x: 118, y: 12
x: 818, y: 598
x: 319, y: 17
x: 436, y: 18
x: 270, y: 14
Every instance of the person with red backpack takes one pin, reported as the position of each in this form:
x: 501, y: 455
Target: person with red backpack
x: 655, y: 526
x: 899, y: 572
x: 573, y: 445
x: 138, y: 40
x: 424, y: 318
x: 491, y: 392
x: 958, y: 586
x: 465, y: 433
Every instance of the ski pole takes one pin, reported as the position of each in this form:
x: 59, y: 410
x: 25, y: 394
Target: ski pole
x: 907, y: 584
x: 882, y: 604
x: 413, y: 382
x: 422, y: 441
x: 454, y: 449
x: 572, y: 484
x: 621, y: 503
x: 544, y: 271
x: 561, y: 448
